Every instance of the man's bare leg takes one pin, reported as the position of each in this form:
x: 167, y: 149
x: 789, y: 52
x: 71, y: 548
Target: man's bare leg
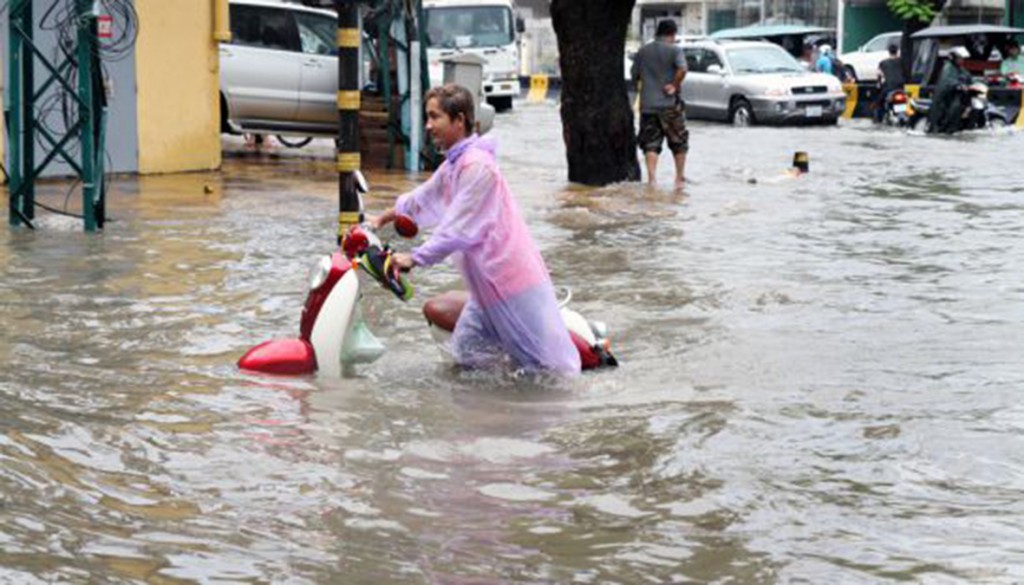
x: 651, y: 159
x: 680, y: 168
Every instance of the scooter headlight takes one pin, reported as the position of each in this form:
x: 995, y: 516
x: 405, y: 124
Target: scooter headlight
x: 318, y: 275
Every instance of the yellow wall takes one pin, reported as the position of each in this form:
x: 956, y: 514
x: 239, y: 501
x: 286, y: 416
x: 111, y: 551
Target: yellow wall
x: 176, y: 68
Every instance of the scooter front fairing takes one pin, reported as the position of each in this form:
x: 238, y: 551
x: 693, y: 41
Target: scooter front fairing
x: 332, y: 333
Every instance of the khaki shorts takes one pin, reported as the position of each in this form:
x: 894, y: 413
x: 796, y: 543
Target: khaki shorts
x: 667, y: 125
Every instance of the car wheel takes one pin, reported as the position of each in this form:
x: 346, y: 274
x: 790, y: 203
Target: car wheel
x: 501, y: 104
x: 850, y: 73
x: 224, y: 128
x: 742, y: 114
x: 294, y: 142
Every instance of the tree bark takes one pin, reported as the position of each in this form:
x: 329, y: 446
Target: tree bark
x: 597, y: 121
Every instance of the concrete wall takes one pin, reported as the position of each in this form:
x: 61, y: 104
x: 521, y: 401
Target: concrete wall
x: 121, y: 147
x: 862, y: 22
x: 178, y: 86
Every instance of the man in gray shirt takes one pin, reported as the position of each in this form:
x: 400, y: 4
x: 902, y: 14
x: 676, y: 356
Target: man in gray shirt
x: 660, y: 66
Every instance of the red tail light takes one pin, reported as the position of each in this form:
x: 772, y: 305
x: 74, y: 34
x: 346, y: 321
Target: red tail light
x: 899, y: 98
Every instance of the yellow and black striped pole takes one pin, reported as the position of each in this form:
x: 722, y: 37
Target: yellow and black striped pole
x: 348, y: 114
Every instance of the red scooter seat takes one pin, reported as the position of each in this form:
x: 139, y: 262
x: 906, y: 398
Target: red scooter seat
x: 444, y: 310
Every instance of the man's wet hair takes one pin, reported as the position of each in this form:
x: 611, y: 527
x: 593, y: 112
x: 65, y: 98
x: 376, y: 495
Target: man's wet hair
x: 454, y: 100
x: 1012, y: 43
x: 893, y: 49
x: 666, y: 27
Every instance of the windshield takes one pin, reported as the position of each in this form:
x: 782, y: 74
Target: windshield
x: 478, y: 26
x: 762, y: 60
x: 881, y: 43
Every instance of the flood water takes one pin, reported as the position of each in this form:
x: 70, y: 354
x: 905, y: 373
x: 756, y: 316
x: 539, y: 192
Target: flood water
x: 820, y: 380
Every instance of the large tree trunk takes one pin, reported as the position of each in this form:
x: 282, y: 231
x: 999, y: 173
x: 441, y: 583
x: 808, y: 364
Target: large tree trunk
x: 597, y: 121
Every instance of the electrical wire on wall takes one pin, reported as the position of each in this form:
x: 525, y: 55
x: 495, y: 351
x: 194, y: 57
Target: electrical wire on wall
x: 58, y: 112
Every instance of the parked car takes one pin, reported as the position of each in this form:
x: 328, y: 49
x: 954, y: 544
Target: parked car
x: 279, y: 73
x: 862, y: 64
x: 748, y: 82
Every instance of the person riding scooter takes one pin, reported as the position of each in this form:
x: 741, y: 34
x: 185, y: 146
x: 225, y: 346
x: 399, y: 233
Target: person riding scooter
x: 890, y: 80
x: 950, y: 100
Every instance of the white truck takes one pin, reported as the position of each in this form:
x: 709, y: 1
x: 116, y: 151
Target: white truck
x: 488, y: 28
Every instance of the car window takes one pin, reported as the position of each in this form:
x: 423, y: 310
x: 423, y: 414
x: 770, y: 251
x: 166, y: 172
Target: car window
x: 880, y: 43
x: 709, y: 58
x: 767, y: 59
x: 698, y: 60
x: 693, y: 60
x: 269, y: 28
x: 317, y: 33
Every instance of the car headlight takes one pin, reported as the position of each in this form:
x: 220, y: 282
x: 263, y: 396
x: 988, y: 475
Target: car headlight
x: 318, y: 275
x: 776, y: 91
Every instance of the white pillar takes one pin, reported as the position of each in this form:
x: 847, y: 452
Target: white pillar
x: 840, y: 27
x: 416, y: 107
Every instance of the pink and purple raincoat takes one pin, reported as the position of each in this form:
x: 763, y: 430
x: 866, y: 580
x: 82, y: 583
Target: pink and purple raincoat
x: 512, y: 307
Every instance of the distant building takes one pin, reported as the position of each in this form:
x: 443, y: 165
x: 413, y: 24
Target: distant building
x: 538, y: 53
x: 862, y: 19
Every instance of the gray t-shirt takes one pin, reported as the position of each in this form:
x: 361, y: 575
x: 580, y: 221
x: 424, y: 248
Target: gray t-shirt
x: 655, y: 66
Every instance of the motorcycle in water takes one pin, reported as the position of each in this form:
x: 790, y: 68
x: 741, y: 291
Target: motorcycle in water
x: 333, y: 335
x: 895, y: 109
x: 590, y: 337
x: 977, y: 112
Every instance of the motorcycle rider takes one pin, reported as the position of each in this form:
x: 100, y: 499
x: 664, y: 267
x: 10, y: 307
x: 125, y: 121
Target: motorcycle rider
x: 948, y: 102
x: 1012, y: 62
x: 824, y: 63
x: 890, y: 79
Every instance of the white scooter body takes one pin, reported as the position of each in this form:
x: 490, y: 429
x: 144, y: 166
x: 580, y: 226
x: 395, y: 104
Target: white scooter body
x: 340, y: 336
x: 590, y: 338
x: 332, y: 333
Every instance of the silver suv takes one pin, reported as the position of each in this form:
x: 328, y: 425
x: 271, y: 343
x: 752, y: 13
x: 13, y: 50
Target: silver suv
x: 747, y: 82
x: 279, y: 73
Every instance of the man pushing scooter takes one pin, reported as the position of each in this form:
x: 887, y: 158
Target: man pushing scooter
x: 512, y: 309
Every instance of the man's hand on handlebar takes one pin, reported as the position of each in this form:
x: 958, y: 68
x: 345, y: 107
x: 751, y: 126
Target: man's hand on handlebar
x: 402, y: 261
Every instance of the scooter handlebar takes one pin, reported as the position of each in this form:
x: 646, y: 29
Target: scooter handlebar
x: 362, y: 245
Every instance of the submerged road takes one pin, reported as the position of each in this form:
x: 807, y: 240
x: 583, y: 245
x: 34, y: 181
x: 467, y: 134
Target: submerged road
x: 820, y: 380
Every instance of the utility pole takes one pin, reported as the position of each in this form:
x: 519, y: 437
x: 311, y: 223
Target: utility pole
x: 348, y: 161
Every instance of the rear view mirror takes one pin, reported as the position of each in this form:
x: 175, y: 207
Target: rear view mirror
x: 716, y: 70
x: 520, y: 25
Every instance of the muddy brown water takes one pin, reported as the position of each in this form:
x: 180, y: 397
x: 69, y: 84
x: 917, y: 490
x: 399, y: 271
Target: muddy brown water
x: 820, y: 382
